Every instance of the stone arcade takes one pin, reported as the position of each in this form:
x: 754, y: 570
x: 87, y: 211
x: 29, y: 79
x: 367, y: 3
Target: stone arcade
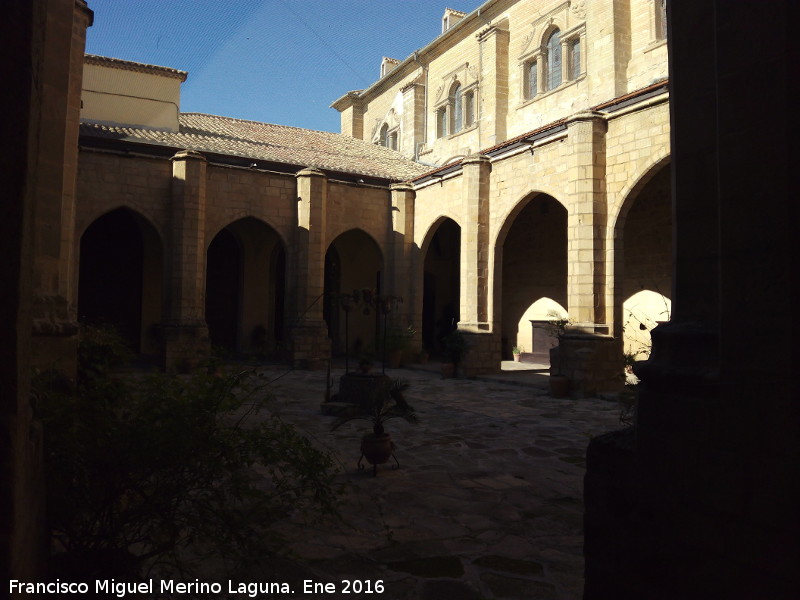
x: 530, y: 174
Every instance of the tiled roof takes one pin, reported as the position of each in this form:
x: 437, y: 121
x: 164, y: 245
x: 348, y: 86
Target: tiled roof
x: 129, y: 65
x: 272, y: 143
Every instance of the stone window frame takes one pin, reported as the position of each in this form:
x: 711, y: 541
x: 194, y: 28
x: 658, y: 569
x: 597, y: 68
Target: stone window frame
x: 531, y: 66
x: 538, y: 56
x: 470, y: 95
x: 658, y: 25
x: 441, y: 119
x: 388, y: 137
x: 445, y: 111
x: 568, y: 41
x: 658, y: 21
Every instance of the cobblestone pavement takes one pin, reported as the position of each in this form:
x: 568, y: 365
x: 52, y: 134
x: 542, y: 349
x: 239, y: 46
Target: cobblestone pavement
x: 487, y: 502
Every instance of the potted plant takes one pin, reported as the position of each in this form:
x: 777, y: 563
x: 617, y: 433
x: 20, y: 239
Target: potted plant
x: 398, y: 341
x: 455, y: 348
x: 385, y: 402
x: 516, y: 351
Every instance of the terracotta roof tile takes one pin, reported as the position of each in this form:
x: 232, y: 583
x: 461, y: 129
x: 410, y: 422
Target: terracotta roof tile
x: 273, y: 143
x: 129, y: 65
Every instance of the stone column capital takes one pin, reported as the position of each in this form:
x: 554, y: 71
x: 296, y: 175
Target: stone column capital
x: 403, y: 186
x: 586, y: 115
x: 475, y: 159
x: 310, y: 172
x: 188, y: 155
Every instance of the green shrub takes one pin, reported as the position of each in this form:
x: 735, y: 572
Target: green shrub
x: 169, y: 473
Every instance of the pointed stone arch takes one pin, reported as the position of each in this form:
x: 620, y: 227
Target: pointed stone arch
x: 120, y: 277
x: 441, y: 282
x: 530, y: 261
x: 642, y: 240
x: 245, y: 287
x: 353, y: 261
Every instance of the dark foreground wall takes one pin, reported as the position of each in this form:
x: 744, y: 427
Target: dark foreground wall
x: 701, y: 501
x: 20, y: 522
x: 41, y: 49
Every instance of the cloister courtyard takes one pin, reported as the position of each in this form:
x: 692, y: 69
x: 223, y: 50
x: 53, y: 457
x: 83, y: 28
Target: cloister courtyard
x: 487, y: 502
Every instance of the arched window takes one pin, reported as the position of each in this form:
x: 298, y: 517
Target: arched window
x: 554, y: 60
x: 383, y: 136
x: 458, y: 108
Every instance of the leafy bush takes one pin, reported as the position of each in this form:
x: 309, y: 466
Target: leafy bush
x: 168, y: 473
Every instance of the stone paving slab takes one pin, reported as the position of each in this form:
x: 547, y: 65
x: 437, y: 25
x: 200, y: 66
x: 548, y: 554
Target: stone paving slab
x: 487, y: 503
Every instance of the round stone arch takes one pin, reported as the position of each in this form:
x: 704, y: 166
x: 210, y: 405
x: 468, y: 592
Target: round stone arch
x: 529, y: 261
x: 353, y: 261
x: 246, y: 287
x: 120, y: 260
x: 440, y: 282
x: 553, y: 24
x: 643, y: 224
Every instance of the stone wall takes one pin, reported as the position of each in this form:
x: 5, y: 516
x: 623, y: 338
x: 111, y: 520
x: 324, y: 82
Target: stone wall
x: 620, y: 51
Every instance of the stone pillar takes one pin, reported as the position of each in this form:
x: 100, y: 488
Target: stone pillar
x: 351, y: 108
x: 492, y: 109
x: 589, y: 357
x: 54, y: 318
x: 185, y: 331
x: 610, y: 50
x: 309, y: 345
x: 565, y: 60
x: 702, y: 500
x: 39, y: 40
x: 587, y: 218
x: 404, y: 274
x: 484, y: 353
x: 412, y: 121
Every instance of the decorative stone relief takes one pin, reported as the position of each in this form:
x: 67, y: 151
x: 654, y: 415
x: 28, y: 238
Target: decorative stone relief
x: 579, y: 9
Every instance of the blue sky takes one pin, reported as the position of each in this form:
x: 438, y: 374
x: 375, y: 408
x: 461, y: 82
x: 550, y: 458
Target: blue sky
x: 278, y: 61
